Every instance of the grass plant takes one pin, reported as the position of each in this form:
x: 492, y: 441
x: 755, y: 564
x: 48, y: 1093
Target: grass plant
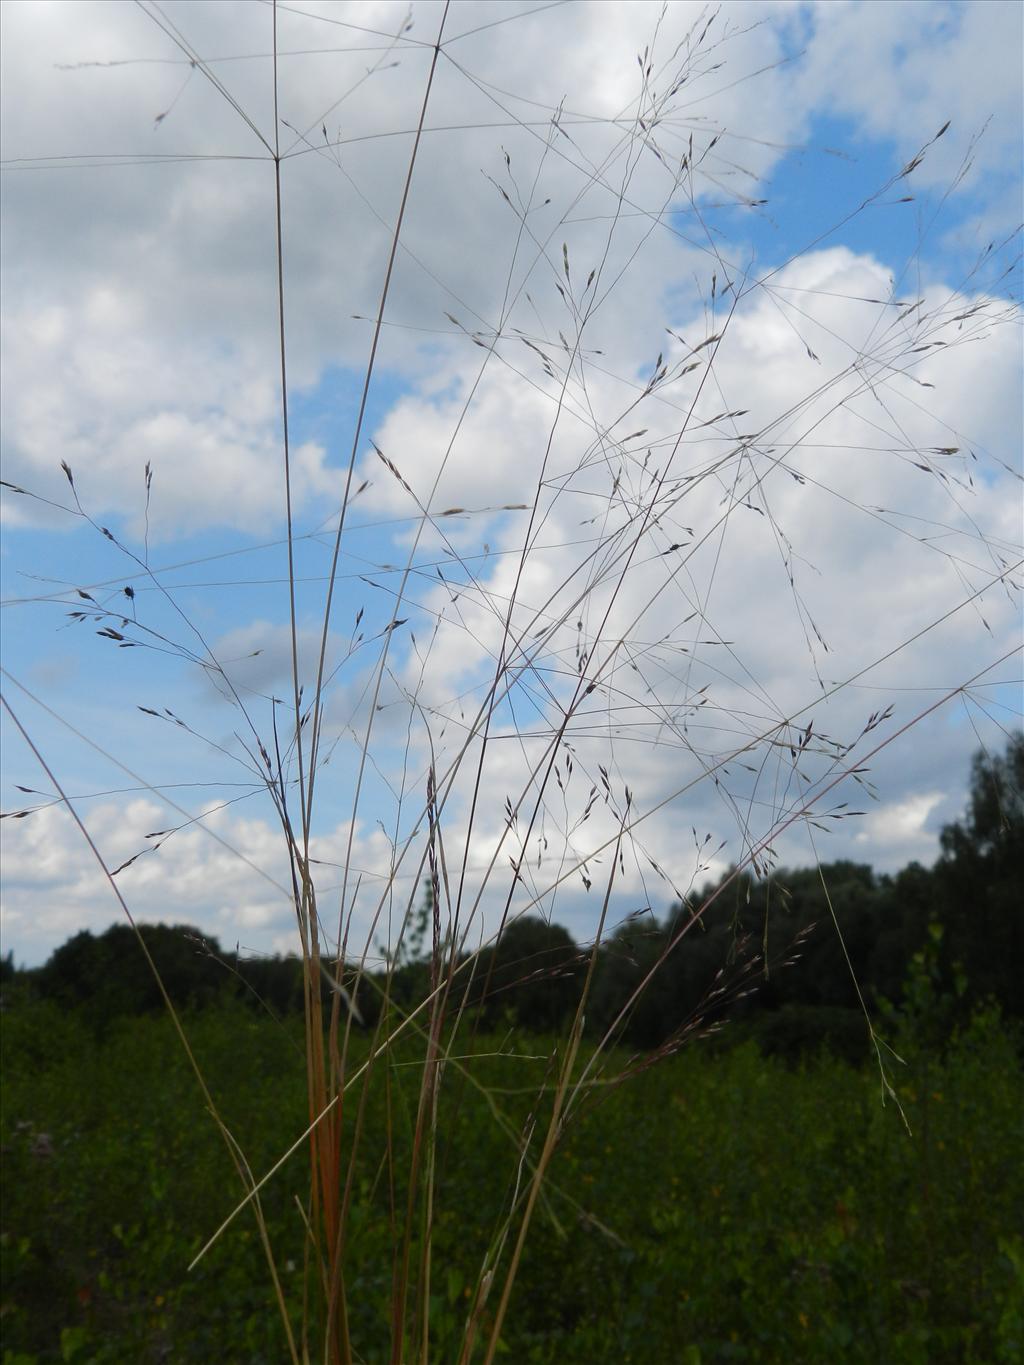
x: 494, y: 720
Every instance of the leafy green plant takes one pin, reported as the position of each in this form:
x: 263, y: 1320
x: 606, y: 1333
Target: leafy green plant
x: 820, y: 1208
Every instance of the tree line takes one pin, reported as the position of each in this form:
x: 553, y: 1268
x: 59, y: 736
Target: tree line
x: 792, y: 959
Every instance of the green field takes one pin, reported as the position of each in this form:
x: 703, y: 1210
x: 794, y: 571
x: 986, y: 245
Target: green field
x: 715, y: 1207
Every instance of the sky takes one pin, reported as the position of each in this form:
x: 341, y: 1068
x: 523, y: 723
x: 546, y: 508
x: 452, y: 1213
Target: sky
x: 681, y: 526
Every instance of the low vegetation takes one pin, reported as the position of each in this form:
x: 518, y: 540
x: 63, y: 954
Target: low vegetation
x: 721, y: 1206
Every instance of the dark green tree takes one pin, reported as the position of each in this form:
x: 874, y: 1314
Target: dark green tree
x: 980, y: 879
x: 531, y: 977
x: 107, y: 976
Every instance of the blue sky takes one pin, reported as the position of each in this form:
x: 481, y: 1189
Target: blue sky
x: 845, y: 471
